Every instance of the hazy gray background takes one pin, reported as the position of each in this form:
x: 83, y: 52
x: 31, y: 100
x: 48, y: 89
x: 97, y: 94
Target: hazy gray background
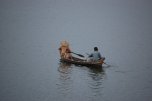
x: 30, y: 34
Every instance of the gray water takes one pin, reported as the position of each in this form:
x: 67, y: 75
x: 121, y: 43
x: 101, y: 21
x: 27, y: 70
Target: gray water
x: 30, y: 34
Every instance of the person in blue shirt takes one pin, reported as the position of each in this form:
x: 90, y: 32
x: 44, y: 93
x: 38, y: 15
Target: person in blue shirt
x: 95, y: 56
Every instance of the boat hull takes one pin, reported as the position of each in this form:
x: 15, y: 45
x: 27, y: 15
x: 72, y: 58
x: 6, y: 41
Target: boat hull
x: 82, y: 62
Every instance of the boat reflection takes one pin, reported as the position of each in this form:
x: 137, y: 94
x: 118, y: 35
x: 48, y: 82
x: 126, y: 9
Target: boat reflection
x: 65, y: 80
x: 90, y: 81
x: 95, y: 80
x: 96, y: 70
x: 64, y: 67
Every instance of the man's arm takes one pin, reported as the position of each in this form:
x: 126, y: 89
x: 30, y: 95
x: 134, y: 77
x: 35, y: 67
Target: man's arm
x: 91, y: 55
x: 99, y: 56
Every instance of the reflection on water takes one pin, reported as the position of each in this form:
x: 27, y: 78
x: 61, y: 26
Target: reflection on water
x: 64, y: 68
x: 64, y: 85
x: 88, y: 80
x: 96, y: 76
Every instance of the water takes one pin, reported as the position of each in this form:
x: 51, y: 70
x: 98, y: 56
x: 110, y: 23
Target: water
x: 30, y: 34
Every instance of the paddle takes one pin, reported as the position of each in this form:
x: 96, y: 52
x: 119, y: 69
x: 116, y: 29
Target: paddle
x: 77, y: 54
x: 107, y: 64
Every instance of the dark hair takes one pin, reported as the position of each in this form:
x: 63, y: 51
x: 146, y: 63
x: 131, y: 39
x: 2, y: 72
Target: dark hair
x: 95, y: 48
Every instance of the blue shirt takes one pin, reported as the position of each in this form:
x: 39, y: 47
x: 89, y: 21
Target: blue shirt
x: 95, y: 56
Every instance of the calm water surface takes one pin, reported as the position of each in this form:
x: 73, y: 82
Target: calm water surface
x: 30, y: 34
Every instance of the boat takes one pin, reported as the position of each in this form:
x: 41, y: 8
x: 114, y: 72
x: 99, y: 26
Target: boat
x: 65, y: 51
x: 82, y: 62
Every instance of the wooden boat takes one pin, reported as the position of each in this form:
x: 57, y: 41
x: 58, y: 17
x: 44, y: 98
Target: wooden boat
x: 82, y: 62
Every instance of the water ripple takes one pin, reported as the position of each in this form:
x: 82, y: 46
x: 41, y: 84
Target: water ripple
x: 65, y: 81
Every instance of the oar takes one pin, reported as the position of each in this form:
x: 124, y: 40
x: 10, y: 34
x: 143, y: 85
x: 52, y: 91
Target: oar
x: 77, y: 54
x: 107, y: 64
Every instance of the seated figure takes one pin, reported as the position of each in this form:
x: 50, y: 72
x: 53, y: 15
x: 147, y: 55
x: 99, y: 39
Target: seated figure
x: 64, y: 50
x: 96, y: 56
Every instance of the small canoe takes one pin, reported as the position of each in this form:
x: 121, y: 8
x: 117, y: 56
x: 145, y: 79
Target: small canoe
x: 82, y: 62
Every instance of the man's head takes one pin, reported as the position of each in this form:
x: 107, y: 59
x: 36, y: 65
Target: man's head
x: 95, y: 48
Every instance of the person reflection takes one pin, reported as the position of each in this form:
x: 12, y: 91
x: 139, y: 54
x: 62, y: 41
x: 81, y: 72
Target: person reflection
x: 64, y: 68
x: 96, y: 76
x: 65, y: 80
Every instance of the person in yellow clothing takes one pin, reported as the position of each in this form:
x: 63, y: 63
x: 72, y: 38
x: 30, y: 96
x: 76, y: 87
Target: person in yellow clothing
x: 65, y: 51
